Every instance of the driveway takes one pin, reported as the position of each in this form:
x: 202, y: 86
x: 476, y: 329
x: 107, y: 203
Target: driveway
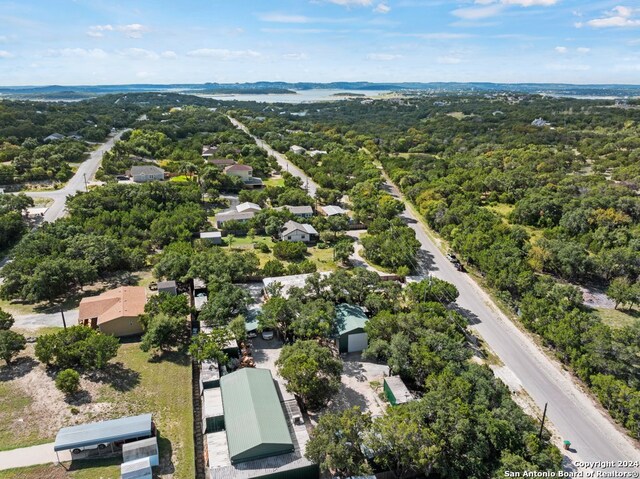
x: 31, y: 456
x: 36, y: 321
x: 265, y: 354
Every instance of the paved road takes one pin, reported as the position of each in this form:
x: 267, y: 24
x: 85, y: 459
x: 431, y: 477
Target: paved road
x: 572, y: 413
x: 286, y: 165
x: 87, y: 168
x: 36, y: 321
x: 31, y: 456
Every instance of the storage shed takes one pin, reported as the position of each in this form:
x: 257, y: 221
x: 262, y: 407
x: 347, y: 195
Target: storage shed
x: 169, y: 287
x: 254, y: 420
x: 213, y: 237
x: 145, y: 448
x: 104, y: 432
x: 396, y: 391
x: 137, y: 469
x: 350, y: 322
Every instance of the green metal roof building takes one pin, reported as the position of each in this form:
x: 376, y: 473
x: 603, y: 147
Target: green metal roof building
x: 255, y: 423
x: 350, y: 322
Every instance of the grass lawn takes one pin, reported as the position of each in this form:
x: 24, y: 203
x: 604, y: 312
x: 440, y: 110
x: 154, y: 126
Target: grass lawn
x: 502, y: 209
x: 617, y: 318
x: 135, y: 383
x: 273, y: 182
x: 96, y: 469
x: 180, y: 178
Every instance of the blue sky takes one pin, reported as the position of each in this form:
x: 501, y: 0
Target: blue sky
x: 157, y: 41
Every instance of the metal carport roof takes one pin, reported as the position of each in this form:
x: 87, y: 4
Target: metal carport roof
x: 253, y: 416
x: 103, y: 432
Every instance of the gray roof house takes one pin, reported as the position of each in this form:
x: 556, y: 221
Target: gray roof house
x: 222, y: 218
x: 53, y: 137
x: 143, y: 174
x: 248, y: 206
x: 294, y: 231
x: 300, y: 211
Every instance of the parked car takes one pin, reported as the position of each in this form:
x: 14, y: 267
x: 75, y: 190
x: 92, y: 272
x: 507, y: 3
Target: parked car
x: 452, y: 257
x: 267, y: 334
x: 92, y: 447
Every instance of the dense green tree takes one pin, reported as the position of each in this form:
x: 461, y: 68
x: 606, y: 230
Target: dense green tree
x: 6, y: 320
x: 226, y: 301
x: 11, y: 343
x: 77, y: 347
x: 68, y: 381
x: 164, y: 332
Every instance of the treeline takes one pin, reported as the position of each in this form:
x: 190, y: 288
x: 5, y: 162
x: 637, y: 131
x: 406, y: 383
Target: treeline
x: 109, y: 229
x: 13, y: 222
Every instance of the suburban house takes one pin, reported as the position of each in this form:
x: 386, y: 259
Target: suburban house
x: 143, y: 174
x: 221, y: 162
x: 294, y: 231
x: 213, y: 237
x: 350, y: 322
x: 168, y: 287
x: 222, y: 218
x: 299, y: 211
x: 247, y: 206
x: 114, y: 312
x: 209, y: 151
x: 332, y: 210
x: 250, y: 430
x: 298, y: 150
x: 241, y: 171
x: 53, y: 137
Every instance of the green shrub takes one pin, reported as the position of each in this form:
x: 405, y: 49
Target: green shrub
x: 68, y: 381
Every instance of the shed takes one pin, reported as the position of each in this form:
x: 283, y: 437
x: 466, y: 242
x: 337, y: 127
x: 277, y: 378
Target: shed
x: 350, y: 322
x: 145, y: 448
x: 104, y: 432
x: 254, y: 420
x: 212, y: 411
x: 396, y: 391
x: 213, y: 237
x: 168, y: 287
x: 137, y: 469
x: 209, y: 374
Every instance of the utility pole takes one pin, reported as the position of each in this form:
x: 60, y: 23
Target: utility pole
x: 86, y: 186
x: 544, y: 416
x: 64, y: 323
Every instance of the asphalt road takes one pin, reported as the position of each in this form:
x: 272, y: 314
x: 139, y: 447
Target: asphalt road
x: 286, y: 165
x: 573, y: 415
x: 86, y: 169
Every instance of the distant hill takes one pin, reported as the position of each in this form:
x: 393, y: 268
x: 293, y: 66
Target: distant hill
x: 82, y: 91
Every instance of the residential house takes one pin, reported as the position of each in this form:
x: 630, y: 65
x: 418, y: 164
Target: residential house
x: 209, y: 151
x: 299, y: 211
x: 221, y: 162
x: 114, y: 312
x: 332, y: 210
x: 222, y: 218
x: 143, y: 174
x: 247, y: 206
x: 298, y: 150
x: 241, y: 171
x: 53, y: 137
x: 213, y: 237
x: 294, y: 231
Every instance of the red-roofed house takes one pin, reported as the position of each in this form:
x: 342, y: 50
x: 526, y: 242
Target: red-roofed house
x: 114, y: 312
x: 242, y: 171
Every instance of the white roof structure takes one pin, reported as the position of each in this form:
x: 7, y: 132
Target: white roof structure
x: 291, y: 226
x: 298, y: 150
x: 332, y: 210
x: 210, y: 235
x: 291, y: 281
x: 316, y: 152
x: 248, y: 206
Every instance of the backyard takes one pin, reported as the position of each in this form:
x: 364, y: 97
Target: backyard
x: 132, y: 384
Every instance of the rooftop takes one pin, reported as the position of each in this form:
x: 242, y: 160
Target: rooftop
x: 291, y: 281
x: 233, y: 215
x: 146, y: 170
x: 238, y: 167
x: 247, y: 206
x: 210, y: 235
x: 123, y: 302
x: 349, y: 317
x: 296, y: 210
x: 331, y: 210
x: 291, y: 226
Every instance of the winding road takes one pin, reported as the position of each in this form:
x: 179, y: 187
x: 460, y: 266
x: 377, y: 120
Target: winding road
x: 573, y: 414
x: 86, y: 171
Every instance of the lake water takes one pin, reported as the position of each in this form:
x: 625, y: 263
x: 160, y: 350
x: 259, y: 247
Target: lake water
x: 301, y: 96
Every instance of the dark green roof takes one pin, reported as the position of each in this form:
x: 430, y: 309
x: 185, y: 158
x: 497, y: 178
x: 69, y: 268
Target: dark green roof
x: 349, y: 317
x: 254, y: 420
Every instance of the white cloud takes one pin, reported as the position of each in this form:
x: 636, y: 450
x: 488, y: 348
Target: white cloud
x: 448, y: 60
x: 352, y: 3
x: 133, y: 30
x: 222, y: 53
x: 295, y: 56
x: 382, y: 8
x: 169, y: 54
x: 283, y: 18
x: 5, y: 54
x: 583, y: 50
x: 475, y: 13
x: 382, y: 57
x: 139, y: 53
x: 433, y: 36
x: 530, y: 3
x: 96, y: 53
x: 618, y: 17
x: 561, y: 49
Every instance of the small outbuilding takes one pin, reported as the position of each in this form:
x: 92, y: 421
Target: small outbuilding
x: 396, y: 391
x: 168, y: 287
x: 137, y: 469
x: 212, y: 237
x: 143, y: 449
x: 350, y: 334
x: 248, y: 206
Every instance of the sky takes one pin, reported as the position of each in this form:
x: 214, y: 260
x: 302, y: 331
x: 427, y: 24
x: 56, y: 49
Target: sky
x: 85, y: 42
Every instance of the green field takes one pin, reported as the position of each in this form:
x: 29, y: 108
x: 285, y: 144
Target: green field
x: 617, y: 318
